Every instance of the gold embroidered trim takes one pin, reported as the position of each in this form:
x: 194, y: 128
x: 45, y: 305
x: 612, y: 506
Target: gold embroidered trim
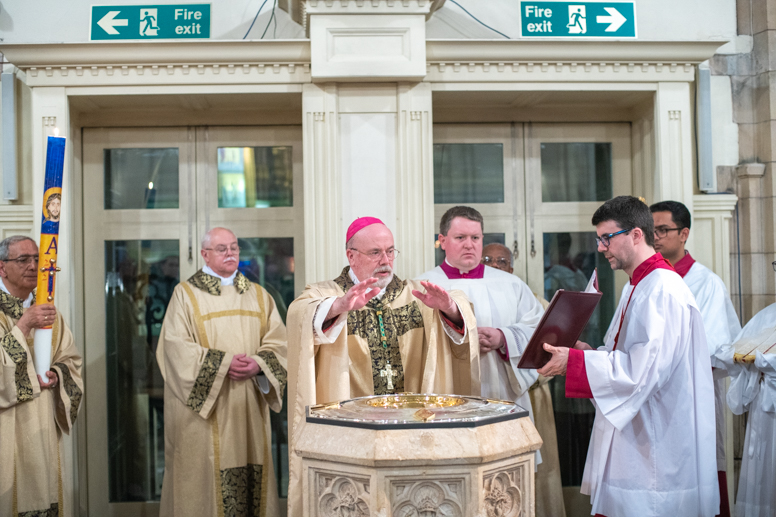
x: 52, y: 511
x: 212, y: 285
x: 241, y: 283
x: 275, y: 368
x: 11, y: 305
x: 233, y: 312
x: 204, y: 383
x: 242, y: 489
x: 397, y: 322
x: 73, y: 391
x: 19, y: 357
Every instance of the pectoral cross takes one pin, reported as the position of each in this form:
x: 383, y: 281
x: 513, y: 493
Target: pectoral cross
x: 389, y: 372
x: 51, y: 270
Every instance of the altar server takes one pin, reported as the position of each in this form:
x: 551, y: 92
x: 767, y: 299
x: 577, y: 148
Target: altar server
x: 507, y: 313
x: 720, y: 321
x: 34, y: 412
x: 367, y: 332
x: 222, y: 353
x: 753, y: 389
x: 652, y: 448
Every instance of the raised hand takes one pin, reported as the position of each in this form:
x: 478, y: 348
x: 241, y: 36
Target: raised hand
x: 557, y: 365
x: 437, y: 298
x: 37, y: 316
x: 356, y: 298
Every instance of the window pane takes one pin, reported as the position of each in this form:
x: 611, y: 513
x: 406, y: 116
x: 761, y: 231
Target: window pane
x: 468, y: 173
x: 487, y: 238
x: 141, y: 178
x: 139, y: 279
x: 576, y: 172
x: 255, y: 177
x: 270, y: 263
x: 569, y: 261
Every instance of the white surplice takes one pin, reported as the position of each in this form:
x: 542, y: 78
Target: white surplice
x: 721, y: 324
x: 753, y: 389
x: 505, y: 302
x: 652, y: 448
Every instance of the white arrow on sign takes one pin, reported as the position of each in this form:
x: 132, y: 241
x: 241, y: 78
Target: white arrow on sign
x: 615, y: 19
x: 108, y: 23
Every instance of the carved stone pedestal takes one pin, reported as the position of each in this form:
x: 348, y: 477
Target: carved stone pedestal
x: 473, y: 460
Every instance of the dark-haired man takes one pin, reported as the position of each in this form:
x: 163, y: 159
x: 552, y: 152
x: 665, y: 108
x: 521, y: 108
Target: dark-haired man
x: 652, y: 449
x: 672, y: 229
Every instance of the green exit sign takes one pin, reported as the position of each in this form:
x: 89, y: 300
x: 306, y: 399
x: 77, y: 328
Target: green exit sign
x: 150, y: 22
x: 577, y: 19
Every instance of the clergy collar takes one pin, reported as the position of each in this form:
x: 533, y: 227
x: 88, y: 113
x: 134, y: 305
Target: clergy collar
x: 25, y: 303
x: 211, y: 284
x: 356, y: 281
x: 453, y: 273
x: 654, y: 262
x: 684, y: 264
x: 228, y: 280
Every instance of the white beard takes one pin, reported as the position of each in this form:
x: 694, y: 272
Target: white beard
x: 383, y: 283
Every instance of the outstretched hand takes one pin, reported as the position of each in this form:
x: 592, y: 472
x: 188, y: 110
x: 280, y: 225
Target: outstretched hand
x: 356, y: 298
x: 557, y: 365
x: 437, y: 298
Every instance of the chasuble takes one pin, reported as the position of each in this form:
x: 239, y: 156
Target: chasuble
x: 652, y: 450
x: 218, y: 460
x: 423, y: 356
x: 32, y: 420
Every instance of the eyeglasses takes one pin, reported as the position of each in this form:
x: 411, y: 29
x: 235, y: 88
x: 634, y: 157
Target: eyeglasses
x: 221, y: 250
x: 24, y: 260
x: 662, y: 231
x: 607, y: 237
x: 501, y: 261
x: 375, y: 255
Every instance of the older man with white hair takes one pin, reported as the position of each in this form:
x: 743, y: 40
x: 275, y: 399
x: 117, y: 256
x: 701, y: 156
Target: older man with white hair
x: 222, y: 353
x: 367, y: 332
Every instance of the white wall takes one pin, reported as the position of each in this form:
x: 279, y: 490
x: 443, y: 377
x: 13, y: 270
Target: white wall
x: 655, y: 19
x: 69, y: 21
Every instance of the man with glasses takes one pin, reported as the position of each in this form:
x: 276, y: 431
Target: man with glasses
x: 652, y: 448
x: 367, y: 332
x: 507, y: 314
x: 34, y: 412
x: 222, y: 353
x: 672, y: 229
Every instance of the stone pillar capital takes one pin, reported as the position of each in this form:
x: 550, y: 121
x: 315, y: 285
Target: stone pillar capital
x: 750, y: 170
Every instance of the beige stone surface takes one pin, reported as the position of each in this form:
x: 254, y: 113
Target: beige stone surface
x: 465, y: 472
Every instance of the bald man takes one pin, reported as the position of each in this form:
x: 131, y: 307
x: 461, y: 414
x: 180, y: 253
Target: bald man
x: 222, y: 353
x: 367, y: 332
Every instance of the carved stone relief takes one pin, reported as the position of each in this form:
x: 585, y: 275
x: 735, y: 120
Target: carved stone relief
x: 426, y: 498
x: 341, y: 496
x: 503, y: 496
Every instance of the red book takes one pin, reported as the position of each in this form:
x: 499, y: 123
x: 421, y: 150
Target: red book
x: 562, y: 324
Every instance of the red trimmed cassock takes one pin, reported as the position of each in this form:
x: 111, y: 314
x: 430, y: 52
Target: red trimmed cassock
x: 651, y: 452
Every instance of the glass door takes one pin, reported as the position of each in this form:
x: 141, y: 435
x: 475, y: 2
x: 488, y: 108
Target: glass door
x: 537, y: 187
x: 149, y: 196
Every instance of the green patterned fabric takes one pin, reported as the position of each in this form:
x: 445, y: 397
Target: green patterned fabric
x: 205, y: 379
x: 275, y: 368
x: 212, y: 284
x: 11, y: 305
x: 241, y: 490
x: 19, y: 357
x: 71, y: 388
